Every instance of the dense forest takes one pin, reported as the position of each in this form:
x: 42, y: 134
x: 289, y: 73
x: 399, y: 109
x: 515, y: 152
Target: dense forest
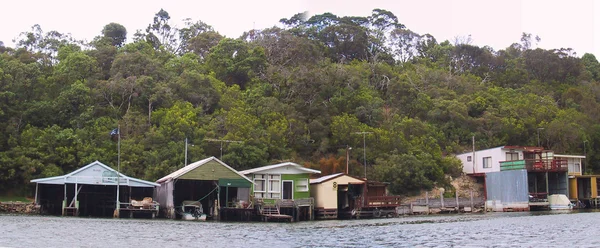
x: 309, y: 91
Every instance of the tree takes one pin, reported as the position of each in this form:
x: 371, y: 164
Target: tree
x: 115, y: 33
x: 160, y: 33
x: 591, y: 65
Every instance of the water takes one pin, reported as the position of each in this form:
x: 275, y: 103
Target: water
x: 526, y: 229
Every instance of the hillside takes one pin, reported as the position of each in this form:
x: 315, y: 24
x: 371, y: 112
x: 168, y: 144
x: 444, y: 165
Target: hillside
x: 305, y: 92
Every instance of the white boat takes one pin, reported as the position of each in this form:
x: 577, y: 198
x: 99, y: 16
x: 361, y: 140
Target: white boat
x: 559, y: 202
x: 192, y: 210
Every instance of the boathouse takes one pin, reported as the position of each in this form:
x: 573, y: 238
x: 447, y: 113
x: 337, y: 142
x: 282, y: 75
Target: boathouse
x: 90, y: 191
x: 283, y: 189
x: 518, y: 178
x: 210, y: 184
x: 337, y: 196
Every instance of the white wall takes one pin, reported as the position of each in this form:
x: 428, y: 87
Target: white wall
x: 497, y: 155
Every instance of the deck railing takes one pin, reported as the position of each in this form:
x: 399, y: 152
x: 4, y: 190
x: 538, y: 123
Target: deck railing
x: 560, y: 165
x: 557, y: 165
x: 382, y: 201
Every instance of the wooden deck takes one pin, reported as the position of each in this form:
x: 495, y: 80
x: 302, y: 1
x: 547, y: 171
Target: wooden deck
x: 271, y: 212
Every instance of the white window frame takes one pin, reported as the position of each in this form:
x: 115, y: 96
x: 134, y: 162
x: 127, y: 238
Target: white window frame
x: 302, y: 185
x: 487, y: 162
x: 276, y: 179
x: 260, y: 179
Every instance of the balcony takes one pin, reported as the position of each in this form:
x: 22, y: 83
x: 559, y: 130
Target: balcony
x: 547, y: 165
x: 536, y: 165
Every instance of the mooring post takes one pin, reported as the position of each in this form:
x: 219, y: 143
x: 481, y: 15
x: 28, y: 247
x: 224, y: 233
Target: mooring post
x: 427, y: 201
x: 442, y: 198
x: 457, y: 205
x: 472, y: 201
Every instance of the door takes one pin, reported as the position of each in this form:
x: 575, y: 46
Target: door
x: 288, y: 189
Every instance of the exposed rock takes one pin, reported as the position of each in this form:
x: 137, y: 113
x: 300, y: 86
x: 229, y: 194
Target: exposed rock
x: 19, y: 207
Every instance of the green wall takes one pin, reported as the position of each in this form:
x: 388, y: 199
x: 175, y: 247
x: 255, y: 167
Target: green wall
x: 295, y: 178
x: 211, y: 171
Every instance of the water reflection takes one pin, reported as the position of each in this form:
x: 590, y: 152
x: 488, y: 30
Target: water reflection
x: 523, y: 229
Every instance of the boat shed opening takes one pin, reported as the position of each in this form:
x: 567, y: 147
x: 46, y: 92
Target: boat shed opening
x: 219, y: 192
x: 90, y: 191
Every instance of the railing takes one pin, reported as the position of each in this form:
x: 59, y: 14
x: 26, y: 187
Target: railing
x: 560, y: 165
x: 382, y: 201
x: 547, y: 165
x: 512, y: 165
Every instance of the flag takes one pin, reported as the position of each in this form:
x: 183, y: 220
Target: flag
x: 114, y: 134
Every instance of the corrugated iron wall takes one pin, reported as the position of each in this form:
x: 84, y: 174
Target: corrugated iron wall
x: 507, y: 186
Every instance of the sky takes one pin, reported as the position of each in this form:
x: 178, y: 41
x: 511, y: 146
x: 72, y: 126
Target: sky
x: 496, y: 23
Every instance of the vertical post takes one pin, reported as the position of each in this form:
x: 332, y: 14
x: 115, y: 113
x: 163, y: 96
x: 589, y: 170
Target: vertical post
x: 221, y: 158
x: 473, y: 159
x: 457, y: 205
x: 585, y: 158
x: 36, y: 193
x: 118, y: 168
x: 472, y: 201
x: 64, y: 200
x: 427, y: 201
x: 218, y: 207
x: 185, y: 159
x: 347, y: 157
x: 442, y: 198
x: 547, y: 188
x: 76, y: 193
x: 365, y: 152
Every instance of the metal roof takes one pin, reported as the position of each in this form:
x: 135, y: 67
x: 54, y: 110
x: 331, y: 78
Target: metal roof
x: 568, y: 156
x: 274, y: 166
x: 95, y: 174
x: 195, y: 165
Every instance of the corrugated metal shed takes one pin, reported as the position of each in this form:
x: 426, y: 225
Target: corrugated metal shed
x: 507, y: 186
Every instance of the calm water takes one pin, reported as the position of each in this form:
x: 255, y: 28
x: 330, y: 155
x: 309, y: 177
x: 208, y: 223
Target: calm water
x: 546, y: 229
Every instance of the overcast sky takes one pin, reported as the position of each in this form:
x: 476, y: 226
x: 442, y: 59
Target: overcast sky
x: 497, y: 23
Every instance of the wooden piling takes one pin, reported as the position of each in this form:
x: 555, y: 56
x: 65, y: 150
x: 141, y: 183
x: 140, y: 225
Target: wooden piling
x: 472, y: 200
x: 457, y: 204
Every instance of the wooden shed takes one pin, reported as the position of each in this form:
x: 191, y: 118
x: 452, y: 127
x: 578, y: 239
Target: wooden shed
x: 209, y: 182
x: 89, y: 191
x: 337, y: 195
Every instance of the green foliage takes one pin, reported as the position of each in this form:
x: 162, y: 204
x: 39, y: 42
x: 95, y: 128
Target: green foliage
x: 304, y: 93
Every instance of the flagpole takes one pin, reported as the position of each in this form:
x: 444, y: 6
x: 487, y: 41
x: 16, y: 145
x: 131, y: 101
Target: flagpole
x: 118, y: 166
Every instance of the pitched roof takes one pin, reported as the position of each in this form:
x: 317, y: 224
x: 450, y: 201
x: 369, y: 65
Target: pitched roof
x: 274, y: 166
x: 94, y: 180
x: 178, y: 173
x: 332, y: 176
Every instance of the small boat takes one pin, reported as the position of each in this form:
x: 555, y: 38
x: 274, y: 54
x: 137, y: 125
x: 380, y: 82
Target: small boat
x: 559, y: 202
x: 192, y: 210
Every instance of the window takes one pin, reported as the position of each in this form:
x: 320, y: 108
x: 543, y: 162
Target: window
x: 267, y: 186
x: 259, y: 186
x: 302, y: 185
x: 575, y: 167
x: 487, y: 162
x: 468, y: 158
x: 512, y: 156
x: 274, y: 182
